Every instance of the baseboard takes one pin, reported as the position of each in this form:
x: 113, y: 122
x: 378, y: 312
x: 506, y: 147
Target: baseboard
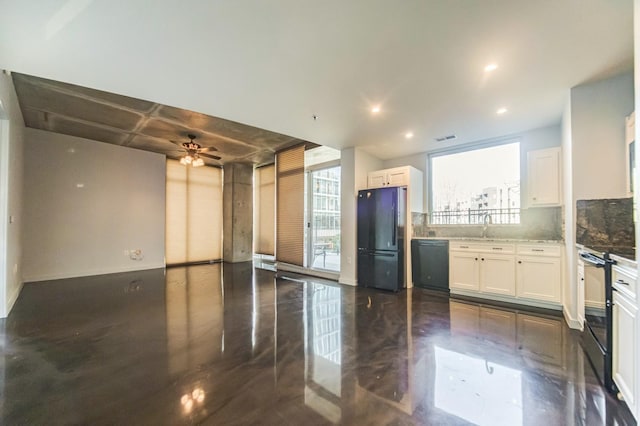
x: 280, y: 266
x: 507, y: 299
x: 90, y: 273
x: 12, y: 300
x: 347, y: 281
x: 571, y: 321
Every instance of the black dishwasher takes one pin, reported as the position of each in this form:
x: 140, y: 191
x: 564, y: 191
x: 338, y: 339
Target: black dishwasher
x: 430, y: 264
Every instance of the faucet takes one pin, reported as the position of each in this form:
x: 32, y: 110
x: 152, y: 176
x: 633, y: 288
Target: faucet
x: 486, y: 220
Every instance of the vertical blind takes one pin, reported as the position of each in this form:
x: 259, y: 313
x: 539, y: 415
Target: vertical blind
x: 264, y: 232
x: 290, y: 206
x: 193, y: 213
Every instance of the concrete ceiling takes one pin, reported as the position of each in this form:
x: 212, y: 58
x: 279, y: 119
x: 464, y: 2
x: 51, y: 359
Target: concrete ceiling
x: 121, y: 120
x: 273, y: 65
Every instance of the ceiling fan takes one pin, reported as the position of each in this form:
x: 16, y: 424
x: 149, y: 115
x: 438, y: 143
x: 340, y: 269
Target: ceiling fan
x: 194, y: 152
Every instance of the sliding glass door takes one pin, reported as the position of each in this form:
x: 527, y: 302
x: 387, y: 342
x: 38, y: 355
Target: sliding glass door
x: 323, y: 218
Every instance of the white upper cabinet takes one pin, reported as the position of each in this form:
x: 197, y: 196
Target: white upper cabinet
x: 400, y: 176
x: 377, y: 179
x: 544, y: 179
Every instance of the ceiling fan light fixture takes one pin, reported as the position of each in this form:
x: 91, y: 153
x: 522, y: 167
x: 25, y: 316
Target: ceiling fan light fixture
x: 193, y: 152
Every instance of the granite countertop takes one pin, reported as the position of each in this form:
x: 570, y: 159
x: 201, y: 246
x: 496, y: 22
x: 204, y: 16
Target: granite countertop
x: 616, y: 252
x: 490, y: 240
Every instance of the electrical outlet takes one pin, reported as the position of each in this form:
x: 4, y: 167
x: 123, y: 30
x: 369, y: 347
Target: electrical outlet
x: 126, y: 252
x: 136, y: 254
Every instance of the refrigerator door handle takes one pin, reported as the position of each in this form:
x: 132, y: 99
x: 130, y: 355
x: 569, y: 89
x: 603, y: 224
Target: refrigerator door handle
x: 378, y: 254
x: 395, y: 221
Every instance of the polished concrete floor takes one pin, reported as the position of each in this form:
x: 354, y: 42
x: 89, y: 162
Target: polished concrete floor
x: 224, y: 344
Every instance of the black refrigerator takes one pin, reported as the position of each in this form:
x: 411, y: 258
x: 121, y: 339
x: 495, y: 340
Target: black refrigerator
x: 381, y: 239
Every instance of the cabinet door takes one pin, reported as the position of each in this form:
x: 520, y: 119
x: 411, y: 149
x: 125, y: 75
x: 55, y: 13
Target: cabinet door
x: 625, y: 349
x: 377, y: 179
x: 463, y: 271
x: 398, y: 177
x: 498, y: 274
x: 539, y: 278
x: 544, y: 176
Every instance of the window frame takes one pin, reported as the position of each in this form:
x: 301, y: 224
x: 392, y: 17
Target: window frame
x: 467, y: 148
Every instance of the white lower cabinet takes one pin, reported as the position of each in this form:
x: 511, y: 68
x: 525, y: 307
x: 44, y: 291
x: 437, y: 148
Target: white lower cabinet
x: 523, y: 273
x: 625, y: 349
x: 497, y: 274
x: 464, y: 271
x: 474, y: 267
x: 538, y: 278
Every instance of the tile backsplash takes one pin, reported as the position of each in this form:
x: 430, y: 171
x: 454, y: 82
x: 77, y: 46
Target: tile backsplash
x: 539, y: 223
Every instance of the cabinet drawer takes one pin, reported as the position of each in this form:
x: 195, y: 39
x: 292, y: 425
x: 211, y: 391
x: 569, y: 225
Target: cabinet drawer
x: 504, y: 248
x: 462, y: 246
x: 625, y: 281
x: 539, y: 250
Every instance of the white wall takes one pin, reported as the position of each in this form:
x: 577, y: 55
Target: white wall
x: 355, y: 165
x: 636, y: 39
x: 11, y: 171
x: 598, y: 111
x: 594, y: 161
x: 569, y: 294
x: 85, y: 203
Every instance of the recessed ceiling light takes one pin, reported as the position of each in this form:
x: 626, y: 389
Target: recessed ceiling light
x: 408, y: 135
x: 490, y: 67
x: 501, y: 111
x: 375, y: 109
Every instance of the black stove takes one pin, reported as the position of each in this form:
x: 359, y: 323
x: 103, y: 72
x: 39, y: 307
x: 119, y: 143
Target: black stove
x: 597, y: 334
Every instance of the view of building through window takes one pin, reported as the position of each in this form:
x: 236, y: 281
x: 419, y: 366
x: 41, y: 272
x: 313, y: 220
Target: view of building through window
x: 325, y: 219
x: 476, y: 187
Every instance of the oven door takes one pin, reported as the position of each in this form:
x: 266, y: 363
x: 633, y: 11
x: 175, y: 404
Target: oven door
x: 596, y: 337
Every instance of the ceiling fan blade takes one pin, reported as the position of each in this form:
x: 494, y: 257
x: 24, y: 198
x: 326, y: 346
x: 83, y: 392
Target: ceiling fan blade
x: 208, y: 148
x: 214, y: 157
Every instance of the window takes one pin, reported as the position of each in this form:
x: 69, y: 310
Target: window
x: 476, y: 186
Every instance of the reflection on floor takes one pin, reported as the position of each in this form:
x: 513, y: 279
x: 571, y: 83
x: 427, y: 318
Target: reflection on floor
x: 227, y: 344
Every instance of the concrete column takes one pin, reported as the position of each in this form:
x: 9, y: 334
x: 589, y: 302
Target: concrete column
x: 237, y: 213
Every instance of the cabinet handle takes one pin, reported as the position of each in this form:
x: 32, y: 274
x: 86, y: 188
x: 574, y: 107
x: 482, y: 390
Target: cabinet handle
x: 483, y: 259
x: 464, y: 246
x: 476, y: 258
x: 537, y: 249
x: 621, y: 282
x: 519, y: 261
x: 534, y: 198
x: 581, y: 279
x: 496, y: 248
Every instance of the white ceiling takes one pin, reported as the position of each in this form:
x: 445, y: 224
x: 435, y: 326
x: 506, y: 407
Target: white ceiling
x: 274, y: 64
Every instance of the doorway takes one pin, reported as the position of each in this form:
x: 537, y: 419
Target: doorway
x: 322, y: 234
